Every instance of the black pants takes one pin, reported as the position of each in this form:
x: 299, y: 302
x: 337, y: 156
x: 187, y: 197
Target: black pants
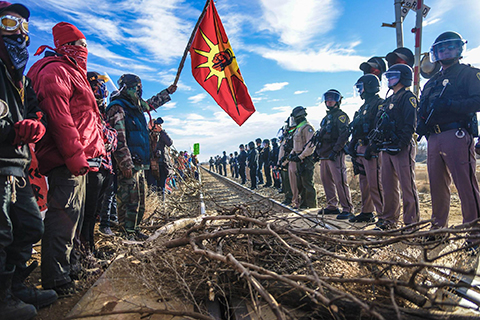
x: 106, y: 210
x: 253, y: 177
x: 224, y: 169
x: 268, y: 174
x: 20, y: 224
x: 97, y: 185
x: 243, y: 174
x: 259, y: 172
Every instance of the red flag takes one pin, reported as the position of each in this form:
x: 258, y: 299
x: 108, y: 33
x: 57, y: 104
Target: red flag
x: 215, y: 68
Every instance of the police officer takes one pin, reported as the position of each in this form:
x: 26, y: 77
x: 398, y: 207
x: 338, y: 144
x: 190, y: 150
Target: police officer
x: 258, y: 142
x: 393, y: 135
x: 266, y: 162
x: 286, y: 146
x: 447, y: 116
x: 363, y: 122
x: 235, y: 164
x: 302, y: 154
x: 242, y: 163
x: 273, y: 164
x: 253, y: 164
x: 224, y: 163
x: 333, y: 135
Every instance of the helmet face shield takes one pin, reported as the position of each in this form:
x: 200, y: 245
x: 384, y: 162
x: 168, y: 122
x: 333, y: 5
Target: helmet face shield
x: 358, y: 89
x: 447, y: 49
x: 291, y: 122
x: 392, y: 77
x: 331, y: 96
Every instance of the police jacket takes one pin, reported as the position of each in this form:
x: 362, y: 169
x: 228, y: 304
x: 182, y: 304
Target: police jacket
x: 252, y: 158
x: 274, y: 155
x: 396, y: 120
x: 266, y: 155
x: 224, y: 159
x: 242, y: 158
x: 364, y: 120
x: 334, y: 132
x: 303, y: 133
x: 14, y: 160
x: 134, y: 127
x: 462, y: 84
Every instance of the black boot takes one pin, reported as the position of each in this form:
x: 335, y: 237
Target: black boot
x: 11, y: 307
x: 33, y: 296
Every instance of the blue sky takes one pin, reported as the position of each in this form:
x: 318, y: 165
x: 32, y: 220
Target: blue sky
x: 289, y: 52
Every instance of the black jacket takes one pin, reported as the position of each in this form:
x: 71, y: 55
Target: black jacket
x: 242, y: 158
x: 253, y: 158
x: 397, y: 119
x: 14, y: 160
x: 334, y: 132
x: 463, y: 90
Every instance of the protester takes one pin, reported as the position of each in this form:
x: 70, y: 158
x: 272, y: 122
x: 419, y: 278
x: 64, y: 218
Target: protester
x: 126, y: 114
x: 20, y: 124
x: 65, y: 155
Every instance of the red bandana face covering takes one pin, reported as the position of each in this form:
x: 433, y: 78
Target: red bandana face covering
x: 79, y: 53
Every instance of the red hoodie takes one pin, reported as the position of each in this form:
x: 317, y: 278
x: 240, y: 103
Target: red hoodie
x: 74, y: 127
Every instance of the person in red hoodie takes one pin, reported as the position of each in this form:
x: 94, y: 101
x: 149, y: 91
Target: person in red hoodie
x: 72, y: 145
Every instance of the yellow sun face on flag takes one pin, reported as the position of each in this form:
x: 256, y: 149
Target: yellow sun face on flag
x: 221, y: 62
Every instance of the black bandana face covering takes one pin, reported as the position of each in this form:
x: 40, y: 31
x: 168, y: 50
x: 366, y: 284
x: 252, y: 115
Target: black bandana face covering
x: 16, y: 45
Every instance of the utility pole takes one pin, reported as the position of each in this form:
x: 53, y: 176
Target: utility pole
x: 398, y: 22
x: 418, y: 47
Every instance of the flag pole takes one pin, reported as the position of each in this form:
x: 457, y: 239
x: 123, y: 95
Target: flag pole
x: 189, y: 44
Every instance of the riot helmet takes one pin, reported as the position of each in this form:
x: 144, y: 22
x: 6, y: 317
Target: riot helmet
x: 399, y: 73
x: 367, y: 83
x: 251, y: 145
x: 298, y: 115
x: 332, y: 95
x: 447, y: 47
x: 375, y: 65
x: 400, y: 55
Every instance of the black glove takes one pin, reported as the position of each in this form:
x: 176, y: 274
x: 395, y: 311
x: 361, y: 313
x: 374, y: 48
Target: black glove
x: 294, y: 157
x: 442, y: 105
x: 371, y: 148
x: 350, y: 149
x: 393, y: 150
x: 332, y: 156
x: 421, y: 130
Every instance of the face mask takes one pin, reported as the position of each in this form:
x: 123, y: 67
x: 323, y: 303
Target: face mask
x: 16, y: 45
x: 78, y: 53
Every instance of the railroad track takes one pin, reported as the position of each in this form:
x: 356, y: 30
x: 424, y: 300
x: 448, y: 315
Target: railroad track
x: 220, y: 192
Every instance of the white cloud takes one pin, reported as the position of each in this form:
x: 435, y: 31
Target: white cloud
x: 472, y: 56
x: 323, y: 60
x: 197, y: 98
x: 273, y: 86
x: 298, y: 21
x: 300, y: 91
x: 168, y: 106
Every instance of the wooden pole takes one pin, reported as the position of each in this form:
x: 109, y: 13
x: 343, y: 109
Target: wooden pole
x: 189, y: 44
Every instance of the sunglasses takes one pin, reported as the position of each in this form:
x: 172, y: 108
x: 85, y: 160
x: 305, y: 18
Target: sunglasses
x: 12, y: 23
x: 449, y: 47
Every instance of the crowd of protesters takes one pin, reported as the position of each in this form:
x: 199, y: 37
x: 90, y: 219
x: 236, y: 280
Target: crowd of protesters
x: 95, y: 157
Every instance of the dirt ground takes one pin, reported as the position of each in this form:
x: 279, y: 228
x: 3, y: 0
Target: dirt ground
x: 108, y: 247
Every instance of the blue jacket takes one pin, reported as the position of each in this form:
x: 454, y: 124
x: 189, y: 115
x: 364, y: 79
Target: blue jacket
x: 136, y: 132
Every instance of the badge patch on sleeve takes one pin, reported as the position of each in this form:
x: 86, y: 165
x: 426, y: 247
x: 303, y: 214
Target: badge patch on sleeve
x: 478, y: 75
x: 3, y: 109
x: 413, y: 101
x: 342, y: 118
